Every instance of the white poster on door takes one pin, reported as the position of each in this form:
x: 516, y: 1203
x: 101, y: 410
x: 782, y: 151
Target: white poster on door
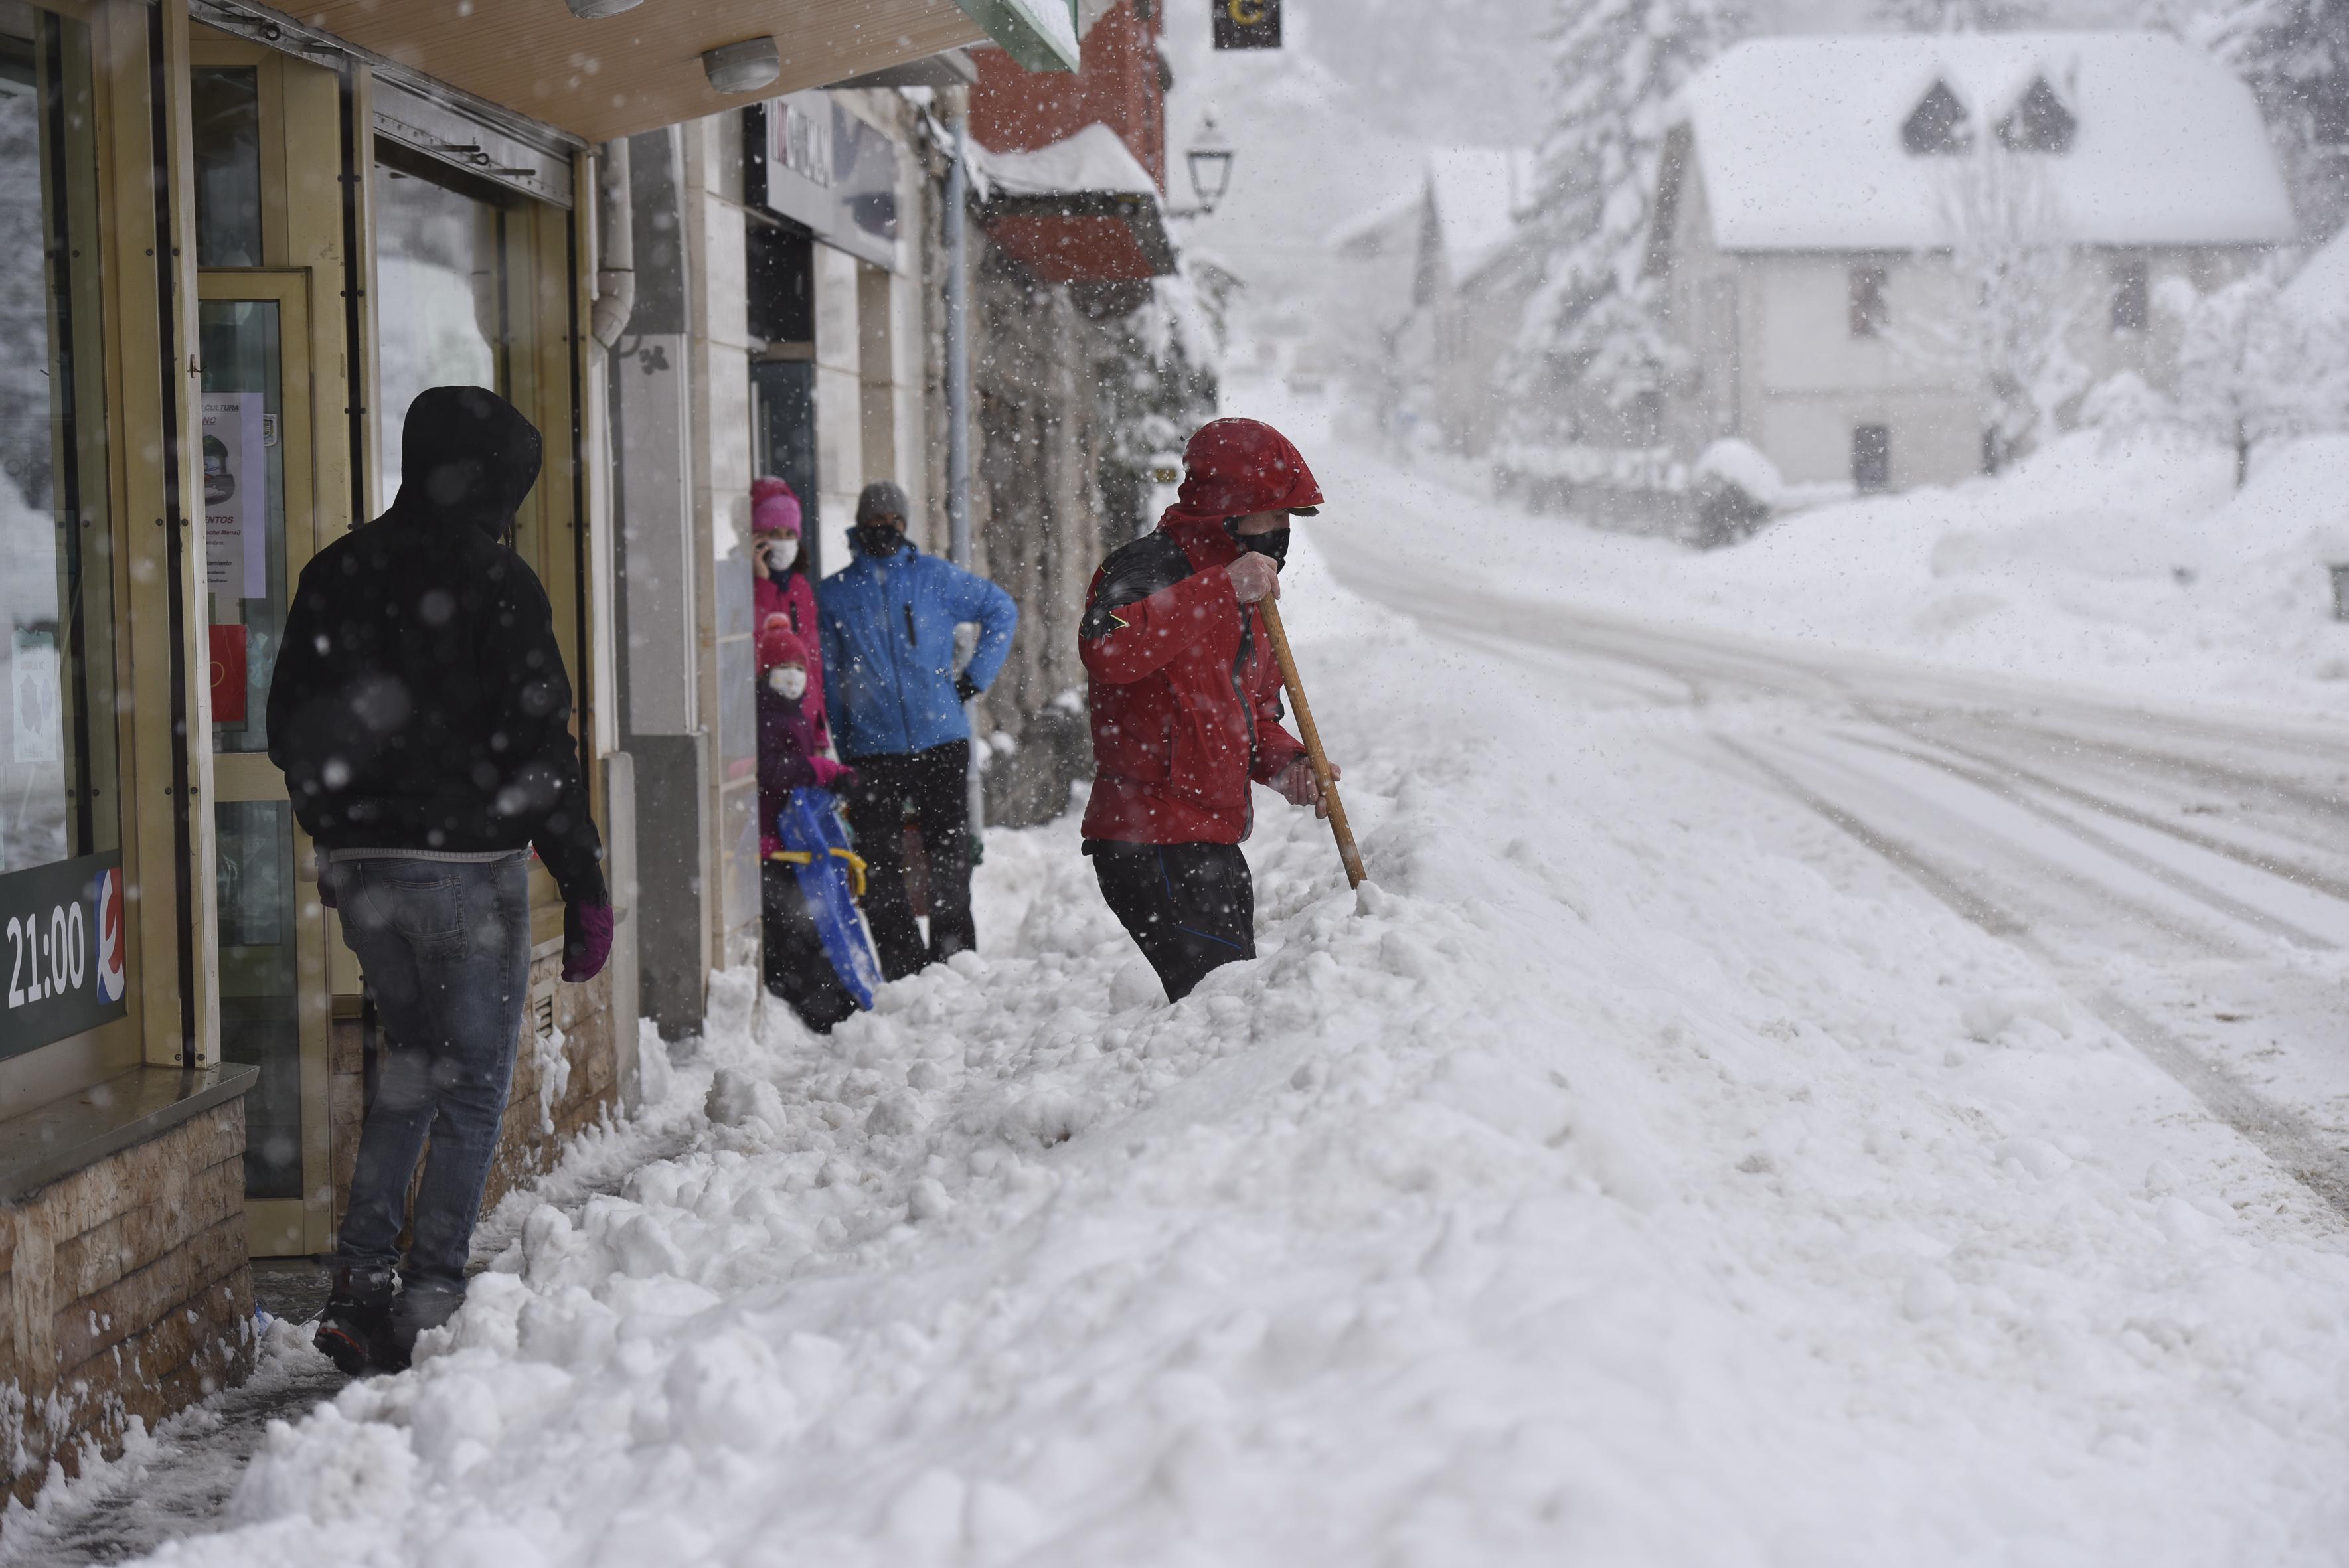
x: 33, y: 682
x: 237, y: 496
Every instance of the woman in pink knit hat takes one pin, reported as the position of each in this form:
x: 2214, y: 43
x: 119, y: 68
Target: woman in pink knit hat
x: 781, y: 588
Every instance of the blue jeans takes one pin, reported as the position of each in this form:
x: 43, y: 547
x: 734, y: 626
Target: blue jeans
x: 445, y: 946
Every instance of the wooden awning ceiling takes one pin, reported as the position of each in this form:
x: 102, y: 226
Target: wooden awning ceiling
x: 641, y: 69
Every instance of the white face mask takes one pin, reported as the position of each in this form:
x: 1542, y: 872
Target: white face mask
x: 781, y: 552
x: 788, y: 680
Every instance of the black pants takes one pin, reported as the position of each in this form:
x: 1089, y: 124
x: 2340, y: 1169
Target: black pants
x: 934, y: 783
x: 791, y: 960
x: 1191, y: 908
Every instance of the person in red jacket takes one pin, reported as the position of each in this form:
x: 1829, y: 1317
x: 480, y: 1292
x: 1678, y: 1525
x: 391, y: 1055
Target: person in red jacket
x: 1185, y: 699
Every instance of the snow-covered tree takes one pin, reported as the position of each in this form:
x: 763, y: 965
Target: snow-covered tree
x: 1592, y: 338
x: 2254, y: 364
x: 2295, y: 56
x: 1159, y: 381
x: 2016, y: 298
x: 2250, y: 368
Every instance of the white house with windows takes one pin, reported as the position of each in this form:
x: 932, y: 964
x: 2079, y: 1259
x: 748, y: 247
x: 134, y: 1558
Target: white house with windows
x: 1887, y: 255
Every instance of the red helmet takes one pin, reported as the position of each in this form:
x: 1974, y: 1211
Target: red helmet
x: 1234, y: 466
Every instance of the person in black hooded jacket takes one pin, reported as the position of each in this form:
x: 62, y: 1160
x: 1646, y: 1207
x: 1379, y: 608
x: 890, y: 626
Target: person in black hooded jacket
x: 421, y: 715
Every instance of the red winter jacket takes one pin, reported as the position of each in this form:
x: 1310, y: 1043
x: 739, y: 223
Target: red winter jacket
x: 1186, y: 692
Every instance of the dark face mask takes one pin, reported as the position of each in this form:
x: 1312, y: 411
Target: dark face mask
x: 1275, y: 545
x: 877, y: 538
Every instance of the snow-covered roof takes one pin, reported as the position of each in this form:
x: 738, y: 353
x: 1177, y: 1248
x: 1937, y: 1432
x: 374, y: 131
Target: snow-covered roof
x: 1476, y: 192
x: 1479, y: 193
x: 1093, y: 159
x: 1401, y: 207
x: 1800, y: 142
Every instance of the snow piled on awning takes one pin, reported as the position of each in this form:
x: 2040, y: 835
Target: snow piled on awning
x: 1093, y: 160
x: 1799, y: 142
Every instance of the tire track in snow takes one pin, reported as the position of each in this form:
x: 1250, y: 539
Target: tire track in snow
x: 2289, y: 1139
x: 2105, y: 844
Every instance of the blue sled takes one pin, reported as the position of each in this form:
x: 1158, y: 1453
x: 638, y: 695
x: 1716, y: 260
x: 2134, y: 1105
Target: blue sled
x: 809, y: 825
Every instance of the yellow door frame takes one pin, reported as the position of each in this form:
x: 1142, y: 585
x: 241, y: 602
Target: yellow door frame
x: 282, y: 1226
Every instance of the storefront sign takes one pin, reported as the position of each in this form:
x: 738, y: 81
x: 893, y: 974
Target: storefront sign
x: 820, y: 165
x: 1247, y: 24
x: 236, y: 495
x: 62, y: 947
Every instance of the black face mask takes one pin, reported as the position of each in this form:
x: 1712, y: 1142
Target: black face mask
x: 877, y: 538
x: 1275, y: 543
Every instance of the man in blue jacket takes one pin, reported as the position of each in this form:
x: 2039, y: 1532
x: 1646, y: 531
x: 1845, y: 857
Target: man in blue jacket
x: 887, y: 624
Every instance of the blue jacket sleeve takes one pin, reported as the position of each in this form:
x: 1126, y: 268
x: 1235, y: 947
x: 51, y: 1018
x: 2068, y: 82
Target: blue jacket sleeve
x: 974, y: 598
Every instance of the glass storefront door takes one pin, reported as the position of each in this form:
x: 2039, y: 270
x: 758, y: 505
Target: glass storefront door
x: 308, y: 370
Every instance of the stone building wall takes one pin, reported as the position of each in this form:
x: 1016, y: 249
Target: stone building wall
x: 127, y: 1294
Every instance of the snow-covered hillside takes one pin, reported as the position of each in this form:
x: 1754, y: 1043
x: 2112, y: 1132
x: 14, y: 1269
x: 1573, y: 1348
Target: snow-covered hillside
x: 1638, y: 1174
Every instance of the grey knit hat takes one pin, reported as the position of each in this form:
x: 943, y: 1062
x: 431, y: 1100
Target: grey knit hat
x: 882, y: 497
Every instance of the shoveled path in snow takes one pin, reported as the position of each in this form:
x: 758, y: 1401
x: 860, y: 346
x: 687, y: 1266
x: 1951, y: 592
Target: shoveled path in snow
x: 177, y: 1482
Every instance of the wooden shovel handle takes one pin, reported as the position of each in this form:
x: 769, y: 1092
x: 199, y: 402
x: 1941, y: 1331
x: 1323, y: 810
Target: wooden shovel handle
x: 1312, y: 738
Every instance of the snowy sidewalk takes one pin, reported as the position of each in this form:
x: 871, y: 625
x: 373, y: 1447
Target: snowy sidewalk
x: 1639, y: 1173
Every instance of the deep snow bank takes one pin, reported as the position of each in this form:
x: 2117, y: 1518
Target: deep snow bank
x: 1607, y: 1185
x: 2133, y: 564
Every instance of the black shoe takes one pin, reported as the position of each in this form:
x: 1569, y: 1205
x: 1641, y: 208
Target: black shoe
x: 355, y: 1332
x: 423, y: 1306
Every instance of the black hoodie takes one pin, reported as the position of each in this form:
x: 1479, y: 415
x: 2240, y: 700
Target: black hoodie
x: 420, y: 700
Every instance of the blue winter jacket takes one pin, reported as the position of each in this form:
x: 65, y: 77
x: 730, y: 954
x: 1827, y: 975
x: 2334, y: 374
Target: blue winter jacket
x: 888, y: 629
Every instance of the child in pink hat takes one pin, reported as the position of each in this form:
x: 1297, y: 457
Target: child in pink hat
x: 781, y: 588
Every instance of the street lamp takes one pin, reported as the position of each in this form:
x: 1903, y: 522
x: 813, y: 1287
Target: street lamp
x: 1210, y: 159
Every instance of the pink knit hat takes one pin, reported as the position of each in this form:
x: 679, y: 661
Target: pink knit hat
x: 773, y: 508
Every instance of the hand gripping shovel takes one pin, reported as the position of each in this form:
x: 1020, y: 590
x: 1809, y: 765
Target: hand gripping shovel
x: 1312, y: 736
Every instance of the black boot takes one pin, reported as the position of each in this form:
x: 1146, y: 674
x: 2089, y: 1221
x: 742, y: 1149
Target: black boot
x: 424, y: 1304
x: 355, y: 1331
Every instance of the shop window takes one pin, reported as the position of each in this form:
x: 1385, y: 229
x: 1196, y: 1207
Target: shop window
x: 1871, y: 457
x: 59, y: 824
x: 224, y: 105
x: 1865, y: 287
x: 442, y: 306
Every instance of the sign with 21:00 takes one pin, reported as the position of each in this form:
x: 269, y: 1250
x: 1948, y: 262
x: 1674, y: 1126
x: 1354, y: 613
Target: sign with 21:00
x: 62, y: 941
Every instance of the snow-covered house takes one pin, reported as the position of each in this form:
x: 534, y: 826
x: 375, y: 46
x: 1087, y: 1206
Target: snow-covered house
x: 1890, y: 258
x: 1404, y: 267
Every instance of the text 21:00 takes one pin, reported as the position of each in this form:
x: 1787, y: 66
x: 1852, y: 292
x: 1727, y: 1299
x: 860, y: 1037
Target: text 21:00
x: 56, y: 954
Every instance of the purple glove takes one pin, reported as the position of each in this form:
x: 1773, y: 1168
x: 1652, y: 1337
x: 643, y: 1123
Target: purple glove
x: 586, y: 940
